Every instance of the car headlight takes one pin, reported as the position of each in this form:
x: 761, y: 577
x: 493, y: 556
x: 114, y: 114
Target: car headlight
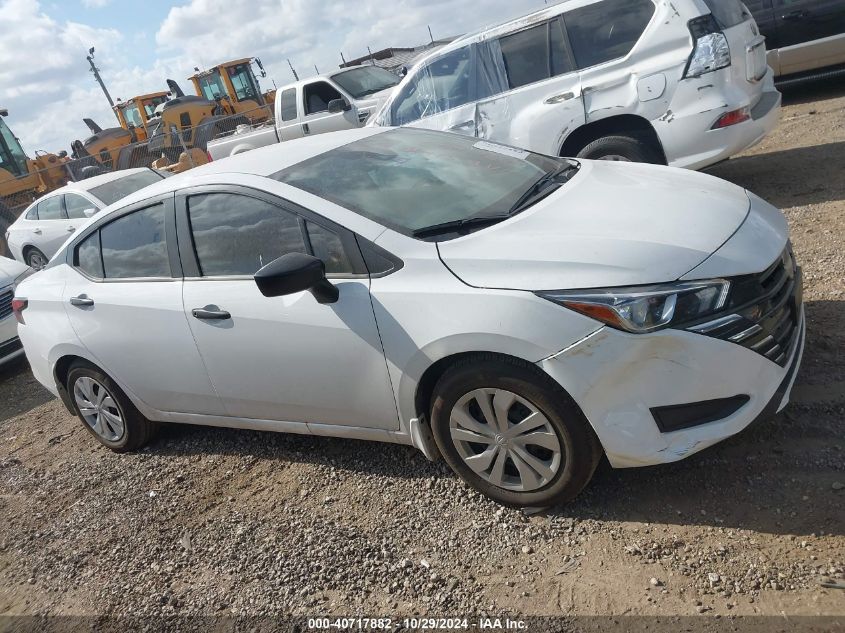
x: 641, y: 309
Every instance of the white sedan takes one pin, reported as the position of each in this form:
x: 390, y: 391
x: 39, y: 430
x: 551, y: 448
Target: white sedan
x: 515, y: 314
x: 11, y: 274
x: 48, y: 222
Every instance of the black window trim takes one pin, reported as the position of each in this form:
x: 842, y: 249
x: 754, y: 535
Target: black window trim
x: 187, y: 249
x: 169, y: 237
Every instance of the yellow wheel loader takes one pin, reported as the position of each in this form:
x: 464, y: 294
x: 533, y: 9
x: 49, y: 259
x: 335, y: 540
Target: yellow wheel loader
x: 235, y: 87
x: 23, y: 179
x: 139, y: 113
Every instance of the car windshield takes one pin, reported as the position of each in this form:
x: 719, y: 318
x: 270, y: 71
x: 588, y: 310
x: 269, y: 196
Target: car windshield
x: 113, y: 191
x: 411, y: 180
x: 360, y: 82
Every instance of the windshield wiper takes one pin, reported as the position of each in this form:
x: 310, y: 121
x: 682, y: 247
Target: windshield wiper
x: 454, y: 226
x: 542, y: 188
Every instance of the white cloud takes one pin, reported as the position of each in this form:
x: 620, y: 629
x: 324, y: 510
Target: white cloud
x: 95, y: 4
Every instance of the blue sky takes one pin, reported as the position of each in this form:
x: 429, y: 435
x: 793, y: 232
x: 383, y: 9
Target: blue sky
x: 47, y: 87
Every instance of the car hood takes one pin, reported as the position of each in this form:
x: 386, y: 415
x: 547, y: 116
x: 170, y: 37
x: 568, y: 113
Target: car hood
x: 613, y: 224
x: 10, y: 270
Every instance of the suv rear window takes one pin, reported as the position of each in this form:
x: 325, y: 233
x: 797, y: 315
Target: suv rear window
x: 534, y: 54
x: 606, y: 30
x: 728, y: 13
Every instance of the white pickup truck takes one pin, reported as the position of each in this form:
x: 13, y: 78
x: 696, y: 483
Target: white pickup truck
x: 326, y: 103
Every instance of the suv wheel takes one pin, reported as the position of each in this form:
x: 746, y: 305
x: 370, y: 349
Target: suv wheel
x: 512, y: 433
x: 105, y: 410
x: 620, y: 148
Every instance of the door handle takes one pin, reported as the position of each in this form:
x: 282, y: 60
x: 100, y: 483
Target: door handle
x: 305, y: 129
x: 564, y: 96
x: 209, y: 314
x: 71, y: 229
x: 82, y: 301
x: 794, y: 15
x: 37, y: 231
x: 462, y: 126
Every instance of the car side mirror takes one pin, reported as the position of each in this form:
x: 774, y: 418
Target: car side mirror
x: 337, y: 106
x: 89, y: 213
x: 403, y: 72
x: 296, y: 272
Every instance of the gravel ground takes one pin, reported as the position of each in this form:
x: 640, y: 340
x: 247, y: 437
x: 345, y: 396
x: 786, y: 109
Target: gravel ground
x: 219, y: 522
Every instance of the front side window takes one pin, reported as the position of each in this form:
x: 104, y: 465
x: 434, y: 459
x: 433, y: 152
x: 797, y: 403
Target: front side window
x: 88, y: 258
x: 318, y: 95
x: 211, y: 85
x: 134, y: 245
x: 237, y: 235
x: 288, y: 104
x: 443, y: 84
x: 606, y: 30
x: 243, y: 81
x: 50, y: 208
x: 408, y: 179
x: 76, y: 205
x: 364, y: 81
x: 114, y: 190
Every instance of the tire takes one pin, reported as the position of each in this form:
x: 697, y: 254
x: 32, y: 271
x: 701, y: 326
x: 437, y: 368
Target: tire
x: 577, y: 446
x: 621, y: 148
x: 136, y: 431
x: 35, y: 259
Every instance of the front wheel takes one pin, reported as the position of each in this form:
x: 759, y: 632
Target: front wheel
x: 620, y: 148
x: 512, y: 433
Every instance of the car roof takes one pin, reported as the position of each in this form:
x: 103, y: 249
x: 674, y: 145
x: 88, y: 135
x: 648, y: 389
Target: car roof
x: 263, y: 161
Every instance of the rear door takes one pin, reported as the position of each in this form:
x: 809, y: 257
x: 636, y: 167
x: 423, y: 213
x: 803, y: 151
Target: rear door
x: 75, y: 208
x: 288, y: 125
x: 52, y: 228
x: 125, y: 305
x: 800, y: 21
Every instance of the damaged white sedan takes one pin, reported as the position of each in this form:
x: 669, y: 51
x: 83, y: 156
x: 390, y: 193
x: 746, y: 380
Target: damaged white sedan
x: 516, y: 314
x: 677, y: 82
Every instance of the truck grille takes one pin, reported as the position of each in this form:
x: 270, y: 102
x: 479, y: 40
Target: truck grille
x: 6, y: 304
x: 765, y: 311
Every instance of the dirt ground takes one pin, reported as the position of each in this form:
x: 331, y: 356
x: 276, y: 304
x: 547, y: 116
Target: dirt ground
x: 220, y: 522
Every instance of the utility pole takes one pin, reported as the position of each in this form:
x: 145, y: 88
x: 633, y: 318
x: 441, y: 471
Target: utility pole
x: 430, y: 35
x: 372, y: 61
x: 342, y: 58
x: 99, y: 79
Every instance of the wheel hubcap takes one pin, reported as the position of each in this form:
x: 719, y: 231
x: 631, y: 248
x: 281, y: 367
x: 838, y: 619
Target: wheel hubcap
x: 98, y: 409
x: 37, y: 261
x: 505, y: 439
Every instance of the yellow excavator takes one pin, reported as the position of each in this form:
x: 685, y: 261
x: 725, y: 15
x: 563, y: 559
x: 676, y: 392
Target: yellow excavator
x: 234, y: 85
x: 179, y: 125
x: 23, y: 179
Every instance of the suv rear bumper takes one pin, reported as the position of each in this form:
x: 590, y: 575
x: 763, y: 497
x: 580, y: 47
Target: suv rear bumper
x: 687, y: 135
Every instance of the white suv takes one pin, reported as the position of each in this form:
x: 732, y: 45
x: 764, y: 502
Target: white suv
x: 683, y: 83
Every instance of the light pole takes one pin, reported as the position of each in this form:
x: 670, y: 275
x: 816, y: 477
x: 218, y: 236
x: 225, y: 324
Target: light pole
x: 99, y: 79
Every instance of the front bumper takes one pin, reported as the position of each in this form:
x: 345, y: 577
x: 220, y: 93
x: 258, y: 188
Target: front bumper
x: 10, y: 344
x: 617, y: 378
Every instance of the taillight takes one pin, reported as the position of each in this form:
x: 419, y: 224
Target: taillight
x: 710, y: 51
x: 18, y: 306
x: 732, y: 118
x: 209, y: 156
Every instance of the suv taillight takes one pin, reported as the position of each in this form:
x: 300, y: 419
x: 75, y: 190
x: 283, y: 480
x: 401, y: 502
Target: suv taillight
x: 18, y: 306
x: 710, y: 51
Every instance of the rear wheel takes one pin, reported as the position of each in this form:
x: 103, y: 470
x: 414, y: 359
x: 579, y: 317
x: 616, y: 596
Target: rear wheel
x: 35, y: 259
x: 512, y: 433
x: 621, y: 148
x: 105, y: 411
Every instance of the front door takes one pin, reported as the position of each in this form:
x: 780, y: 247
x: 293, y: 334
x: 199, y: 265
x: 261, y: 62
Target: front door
x: 283, y: 358
x: 318, y: 120
x: 125, y: 305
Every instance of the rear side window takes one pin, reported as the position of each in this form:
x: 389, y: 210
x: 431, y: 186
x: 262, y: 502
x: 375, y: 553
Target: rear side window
x: 50, y: 209
x: 534, y: 54
x: 288, y: 104
x: 113, y: 191
x: 32, y: 214
x: 606, y: 30
x: 134, y: 245
x: 88, y: 258
x: 728, y: 13
x: 75, y: 206
x: 237, y: 235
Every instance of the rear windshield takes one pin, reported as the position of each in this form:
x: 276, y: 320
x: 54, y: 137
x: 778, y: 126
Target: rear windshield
x: 113, y: 191
x: 407, y: 179
x: 728, y: 13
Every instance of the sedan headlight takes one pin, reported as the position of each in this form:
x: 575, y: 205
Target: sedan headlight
x: 641, y: 309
